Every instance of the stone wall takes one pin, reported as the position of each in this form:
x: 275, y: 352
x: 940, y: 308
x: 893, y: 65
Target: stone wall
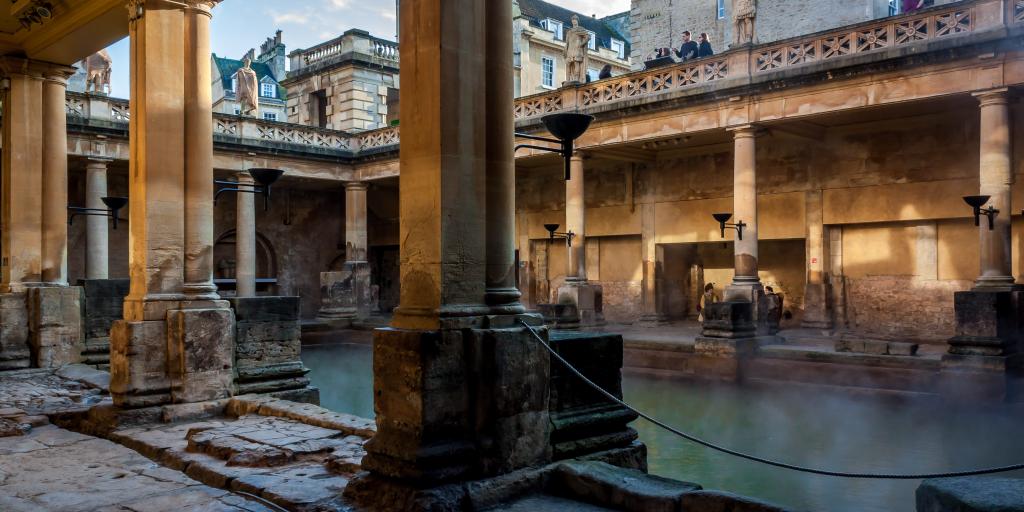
x: 268, y: 348
x: 901, y: 308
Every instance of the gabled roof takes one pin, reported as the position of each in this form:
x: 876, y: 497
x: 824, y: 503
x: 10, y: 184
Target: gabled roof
x: 228, y: 68
x: 537, y: 10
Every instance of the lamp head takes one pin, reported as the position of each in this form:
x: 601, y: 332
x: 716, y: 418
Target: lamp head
x: 722, y: 218
x: 567, y: 127
x: 976, y: 202
x: 115, y: 203
x: 265, y: 177
x: 551, y: 229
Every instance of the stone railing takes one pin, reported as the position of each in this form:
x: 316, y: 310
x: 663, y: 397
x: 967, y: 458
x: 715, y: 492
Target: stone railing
x: 887, y: 33
x: 104, y: 108
x: 745, y: 64
x: 353, y: 42
x: 380, y: 138
x: 248, y: 128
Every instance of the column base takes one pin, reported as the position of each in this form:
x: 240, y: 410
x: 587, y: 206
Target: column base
x: 767, y: 308
x: 186, y: 357
x: 345, y: 295
x: 579, y: 306
x: 436, y: 423
x: 984, y: 362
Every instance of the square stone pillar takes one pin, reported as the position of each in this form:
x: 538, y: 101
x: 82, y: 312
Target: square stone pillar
x: 345, y: 295
x: 817, y: 300
x: 460, y: 392
x: 176, y: 342
x: 580, y: 299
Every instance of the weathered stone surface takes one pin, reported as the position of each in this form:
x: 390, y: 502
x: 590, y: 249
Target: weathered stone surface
x: 971, y: 494
x: 102, y: 305
x: 200, y: 354
x: 620, y: 488
x: 12, y: 427
x: 268, y: 345
x: 55, y: 325
x: 14, y: 337
x: 729, y: 320
x: 548, y: 504
x: 86, y: 375
x: 346, y: 295
x: 138, y: 364
x: 309, y: 414
x: 718, y: 501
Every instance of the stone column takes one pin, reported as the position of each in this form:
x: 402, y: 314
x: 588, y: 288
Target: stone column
x: 55, y: 178
x: 576, y: 218
x: 745, y: 278
x: 198, y: 152
x: 355, y: 222
x: 245, y: 239
x: 816, y: 297
x: 171, y: 346
x: 22, y: 154
x: 96, y: 228
x: 996, y: 178
x: 460, y: 393
x: 502, y: 293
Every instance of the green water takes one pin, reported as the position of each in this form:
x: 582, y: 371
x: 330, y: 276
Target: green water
x: 799, y: 425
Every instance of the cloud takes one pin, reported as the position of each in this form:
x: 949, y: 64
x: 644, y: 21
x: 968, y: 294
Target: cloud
x: 340, y: 4
x: 293, y: 18
x: 388, y: 15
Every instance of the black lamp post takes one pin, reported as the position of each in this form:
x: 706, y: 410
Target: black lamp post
x: 723, y: 223
x: 264, y: 179
x: 976, y: 202
x: 114, y: 205
x: 567, y: 236
x: 566, y: 128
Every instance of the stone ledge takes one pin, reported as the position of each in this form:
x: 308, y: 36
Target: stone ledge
x: 624, y: 489
x: 971, y: 494
x: 304, y: 413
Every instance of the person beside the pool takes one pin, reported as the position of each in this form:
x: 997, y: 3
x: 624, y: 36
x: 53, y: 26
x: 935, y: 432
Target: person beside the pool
x: 707, y: 299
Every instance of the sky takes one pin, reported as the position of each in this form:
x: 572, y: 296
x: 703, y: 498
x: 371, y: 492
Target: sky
x: 242, y: 24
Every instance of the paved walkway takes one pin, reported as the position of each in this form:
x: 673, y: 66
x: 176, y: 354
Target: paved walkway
x: 52, y: 469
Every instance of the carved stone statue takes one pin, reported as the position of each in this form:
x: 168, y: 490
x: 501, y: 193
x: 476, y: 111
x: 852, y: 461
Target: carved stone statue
x: 97, y: 72
x: 577, y: 41
x: 248, y: 92
x: 744, y: 13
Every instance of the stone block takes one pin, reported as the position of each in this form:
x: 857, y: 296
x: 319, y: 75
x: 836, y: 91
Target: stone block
x: 138, y: 364
x: 268, y: 344
x: 729, y: 320
x: 510, y: 375
x: 265, y: 309
x: 15, y: 351
x: 346, y: 294
x: 624, y: 489
x: 971, y: 494
x: 588, y: 299
x: 200, y: 354
x: 422, y: 404
x: 719, y: 501
x: 55, y: 325
x: 897, y: 348
x: 876, y: 347
x: 987, y: 323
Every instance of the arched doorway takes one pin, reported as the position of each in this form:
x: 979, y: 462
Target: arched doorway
x: 225, y: 263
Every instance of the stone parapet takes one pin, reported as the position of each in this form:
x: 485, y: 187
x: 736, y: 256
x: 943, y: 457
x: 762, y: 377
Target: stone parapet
x: 582, y: 305
x: 268, y: 345
x: 984, y: 360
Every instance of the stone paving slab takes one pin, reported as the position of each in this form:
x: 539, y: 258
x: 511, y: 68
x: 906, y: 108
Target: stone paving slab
x: 57, y: 470
x: 41, y: 392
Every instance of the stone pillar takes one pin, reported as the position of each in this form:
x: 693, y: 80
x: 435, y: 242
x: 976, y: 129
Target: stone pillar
x: 198, y: 152
x: 996, y: 178
x: 171, y: 346
x: 745, y: 282
x: 460, y: 393
x: 817, y: 313
x: 245, y: 238
x: 576, y: 218
x: 345, y: 295
x: 55, y: 178
x: 502, y: 294
x: 653, y: 256
x: 579, y: 301
x: 96, y: 227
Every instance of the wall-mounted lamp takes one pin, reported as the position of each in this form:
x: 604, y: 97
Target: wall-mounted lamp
x: 553, y: 232
x: 264, y: 179
x: 114, y: 205
x: 36, y: 12
x: 976, y: 202
x: 723, y: 223
x: 566, y: 128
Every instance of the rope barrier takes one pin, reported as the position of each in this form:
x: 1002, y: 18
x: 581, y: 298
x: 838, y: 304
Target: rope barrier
x: 735, y: 453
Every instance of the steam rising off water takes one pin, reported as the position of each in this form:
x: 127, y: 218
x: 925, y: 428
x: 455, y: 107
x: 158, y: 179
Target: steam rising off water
x: 801, y: 425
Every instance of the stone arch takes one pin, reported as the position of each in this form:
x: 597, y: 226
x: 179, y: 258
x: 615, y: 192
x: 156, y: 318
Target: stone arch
x: 224, y: 262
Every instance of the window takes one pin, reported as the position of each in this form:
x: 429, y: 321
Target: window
x: 592, y: 74
x: 619, y: 47
x: 234, y: 83
x: 721, y: 9
x: 592, y: 44
x: 270, y: 116
x: 238, y: 111
x: 555, y: 27
x: 268, y: 90
x: 894, y: 7
x: 547, y: 71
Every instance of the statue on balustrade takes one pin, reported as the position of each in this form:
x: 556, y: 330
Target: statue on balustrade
x: 743, y: 14
x: 248, y: 92
x: 577, y: 44
x: 97, y: 72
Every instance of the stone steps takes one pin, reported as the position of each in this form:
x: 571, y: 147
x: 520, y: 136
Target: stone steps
x: 545, y: 503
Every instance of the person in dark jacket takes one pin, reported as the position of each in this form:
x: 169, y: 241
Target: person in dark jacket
x: 911, y: 5
x: 688, y: 50
x: 704, y: 46
x: 606, y: 72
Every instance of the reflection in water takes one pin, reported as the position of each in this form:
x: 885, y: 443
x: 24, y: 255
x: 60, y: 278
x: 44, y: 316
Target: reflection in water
x: 801, y: 425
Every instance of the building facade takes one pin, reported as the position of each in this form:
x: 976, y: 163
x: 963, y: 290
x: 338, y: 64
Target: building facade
x: 343, y: 84
x: 539, y: 30
x: 660, y: 23
x: 269, y: 66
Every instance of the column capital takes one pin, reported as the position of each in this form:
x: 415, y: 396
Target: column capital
x: 96, y: 162
x: 35, y: 69
x: 137, y: 8
x: 202, y: 6
x: 746, y: 131
x: 581, y: 154
x: 244, y: 177
x: 356, y: 185
x: 998, y: 96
